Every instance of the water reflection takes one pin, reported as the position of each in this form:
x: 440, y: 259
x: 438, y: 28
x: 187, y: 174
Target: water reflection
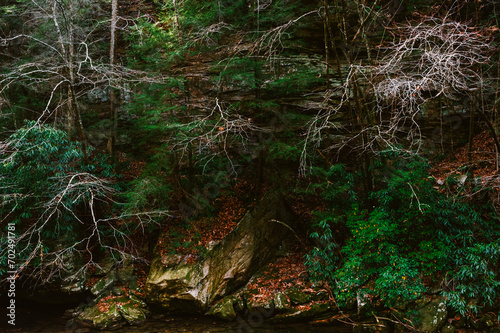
x: 174, y: 325
x: 33, y: 317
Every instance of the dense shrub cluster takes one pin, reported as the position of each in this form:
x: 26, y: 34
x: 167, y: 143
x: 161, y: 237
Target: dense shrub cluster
x: 403, y: 232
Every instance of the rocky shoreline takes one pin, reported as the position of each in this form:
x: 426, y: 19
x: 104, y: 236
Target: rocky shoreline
x: 119, y: 302
x: 250, y: 276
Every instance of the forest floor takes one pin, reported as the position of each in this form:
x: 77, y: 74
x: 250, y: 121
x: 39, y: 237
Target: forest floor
x: 481, y: 159
x: 474, y: 174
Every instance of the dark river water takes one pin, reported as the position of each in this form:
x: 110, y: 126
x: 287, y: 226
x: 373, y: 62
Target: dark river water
x: 38, y: 318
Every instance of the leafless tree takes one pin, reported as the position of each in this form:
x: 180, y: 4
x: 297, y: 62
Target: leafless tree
x: 215, y: 131
x: 270, y: 44
x: 432, y: 58
x: 112, y: 97
x: 111, y: 235
x: 66, y: 62
x: 65, y: 66
x: 436, y: 57
x: 67, y: 221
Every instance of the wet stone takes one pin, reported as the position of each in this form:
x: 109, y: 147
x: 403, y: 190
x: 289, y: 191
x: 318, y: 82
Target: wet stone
x: 103, y: 285
x: 281, y: 302
x: 297, y: 296
x: 432, y: 316
x: 224, y: 309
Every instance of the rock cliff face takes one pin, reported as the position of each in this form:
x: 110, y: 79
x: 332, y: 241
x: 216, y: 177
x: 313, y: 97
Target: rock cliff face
x: 178, y: 286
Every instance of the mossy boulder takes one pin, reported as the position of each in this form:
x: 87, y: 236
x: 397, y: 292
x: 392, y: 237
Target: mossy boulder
x: 114, y: 307
x: 132, y: 309
x: 319, y: 295
x: 105, y: 284
x: 281, y: 302
x: 114, y: 313
x: 298, y: 296
x: 125, y: 274
x: 262, y: 303
x: 105, y: 266
x: 432, y: 316
x: 224, y: 309
x: 178, y: 286
x: 101, y: 319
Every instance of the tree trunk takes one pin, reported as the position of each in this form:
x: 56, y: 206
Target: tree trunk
x: 74, y: 120
x: 327, y: 53
x: 177, y: 24
x: 69, y: 120
x: 496, y: 121
x: 471, y: 133
x: 113, y: 110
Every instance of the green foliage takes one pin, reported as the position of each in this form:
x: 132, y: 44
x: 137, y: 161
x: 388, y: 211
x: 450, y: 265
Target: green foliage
x: 183, y: 240
x: 240, y: 72
x: 7, y: 9
x: 22, y: 100
x: 292, y: 78
x: 40, y: 153
x: 198, y: 15
x: 153, y: 114
x: 280, y: 12
x: 208, y: 21
x: 147, y: 193
x: 476, y: 277
x: 409, y: 230
x: 45, y: 186
x: 300, y: 78
x: 337, y: 190
x: 150, y: 190
x: 284, y: 152
x: 152, y: 48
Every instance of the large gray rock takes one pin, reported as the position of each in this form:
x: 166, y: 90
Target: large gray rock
x: 298, y: 296
x: 105, y: 284
x: 224, y: 309
x: 98, y: 319
x: 114, y: 313
x: 281, y: 302
x: 432, y: 316
x: 178, y: 286
x: 132, y: 309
